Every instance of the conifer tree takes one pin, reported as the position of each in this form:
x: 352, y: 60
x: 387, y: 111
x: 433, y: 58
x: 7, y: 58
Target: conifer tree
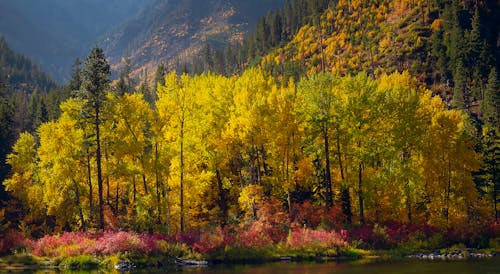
x: 459, y: 88
x: 491, y: 103
x: 94, y: 83
x: 6, y: 134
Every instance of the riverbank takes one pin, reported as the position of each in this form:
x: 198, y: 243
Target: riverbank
x: 254, y: 244
x: 127, y: 261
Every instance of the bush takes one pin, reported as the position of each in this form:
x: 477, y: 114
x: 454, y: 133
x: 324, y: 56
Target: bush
x: 243, y: 254
x: 80, y: 262
x: 391, y: 234
x: 315, y: 239
x: 176, y: 250
x: 211, y: 240
x: 68, y: 244
x: 13, y: 241
x: 121, y: 242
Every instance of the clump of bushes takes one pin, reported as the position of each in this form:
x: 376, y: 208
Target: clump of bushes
x: 13, y: 241
x: 80, y: 262
x: 307, y: 232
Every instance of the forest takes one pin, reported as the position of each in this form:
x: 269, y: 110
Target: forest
x: 309, y: 141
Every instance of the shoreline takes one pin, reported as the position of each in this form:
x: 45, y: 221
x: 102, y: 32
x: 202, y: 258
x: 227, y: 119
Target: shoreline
x: 120, y: 262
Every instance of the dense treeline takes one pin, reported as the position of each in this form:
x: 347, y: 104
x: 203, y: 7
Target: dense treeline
x: 273, y: 30
x: 326, y: 121
x: 449, y: 45
x: 28, y: 97
x: 19, y: 72
x: 212, y: 150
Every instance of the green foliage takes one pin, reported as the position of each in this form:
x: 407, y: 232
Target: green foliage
x: 80, y: 262
x: 417, y: 244
x: 246, y: 254
x: 204, y: 156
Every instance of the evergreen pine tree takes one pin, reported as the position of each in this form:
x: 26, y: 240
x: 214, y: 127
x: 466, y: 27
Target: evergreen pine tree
x: 94, y: 84
x: 490, y: 105
x: 6, y: 133
x: 76, y: 81
x: 459, y: 101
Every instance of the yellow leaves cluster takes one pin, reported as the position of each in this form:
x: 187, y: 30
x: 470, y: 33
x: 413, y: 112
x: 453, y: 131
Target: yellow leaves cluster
x: 245, y: 138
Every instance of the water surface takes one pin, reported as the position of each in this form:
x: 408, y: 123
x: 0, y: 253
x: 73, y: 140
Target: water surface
x: 490, y: 266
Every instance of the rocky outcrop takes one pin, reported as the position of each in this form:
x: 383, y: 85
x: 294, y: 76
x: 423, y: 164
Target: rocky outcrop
x: 455, y: 254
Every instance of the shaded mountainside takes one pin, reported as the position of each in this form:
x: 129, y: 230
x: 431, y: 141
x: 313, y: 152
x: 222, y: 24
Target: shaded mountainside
x: 19, y: 73
x: 53, y: 33
x: 176, y: 31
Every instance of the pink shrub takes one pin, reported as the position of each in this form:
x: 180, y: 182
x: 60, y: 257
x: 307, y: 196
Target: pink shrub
x: 68, y: 244
x: 112, y: 243
x: 188, y: 238
x: 211, y: 240
x: 305, y: 215
x: 332, y: 218
x: 77, y: 243
x: 304, y: 238
x: 47, y: 246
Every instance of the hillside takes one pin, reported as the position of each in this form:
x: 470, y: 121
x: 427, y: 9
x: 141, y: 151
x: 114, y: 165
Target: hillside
x: 172, y: 31
x: 19, y: 73
x: 438, y: 42
x: 54, y: 33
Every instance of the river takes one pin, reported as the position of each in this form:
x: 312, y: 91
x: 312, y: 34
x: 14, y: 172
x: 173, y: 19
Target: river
x: 489, y: 266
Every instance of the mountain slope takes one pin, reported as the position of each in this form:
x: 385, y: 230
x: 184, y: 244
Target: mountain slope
x: 19, y: 73
x: 53, y: 33
x: 177, y: 30
x: 434, y: 40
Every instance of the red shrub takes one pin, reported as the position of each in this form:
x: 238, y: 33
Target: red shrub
x: 305, y: 215
x: 188, y: 238
x: 304, y: 238
x: 332, y: 217
x: 257, y: 234
x: 111, y: 243
x: 11, y: 241
x: 68, y: 244
x: 211, y: 240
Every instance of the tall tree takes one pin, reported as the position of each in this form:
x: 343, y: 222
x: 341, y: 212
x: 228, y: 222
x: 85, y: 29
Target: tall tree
x: 318, y: 100
x: 490, y: 106
x: 6, y: 134
x: 176, y: 105
x: 76, y: 80
x: 94, y: 83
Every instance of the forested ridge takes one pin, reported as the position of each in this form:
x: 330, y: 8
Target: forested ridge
x: 349, y: 114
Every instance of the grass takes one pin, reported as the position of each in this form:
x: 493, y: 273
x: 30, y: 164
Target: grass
x: 80, y: 262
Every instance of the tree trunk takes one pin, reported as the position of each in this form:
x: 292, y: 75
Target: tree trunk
x: 406, y: 158
x: 328, y: 177
x: 360, y: 193
x: 89, y: 181
x: 345, y: 196
x: 157, y: 179
x: 107, y: 176
x: 144, y: 182
x: 79, y: 205
x: 408, y: 201
x: 99, y: 169
x: 495, y: 203
x: 222, y: 198
x: 448, y: 193
x: 116, y: 197
x: 287, y: 179
x: 182, y: 177
x: 134, y: 194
